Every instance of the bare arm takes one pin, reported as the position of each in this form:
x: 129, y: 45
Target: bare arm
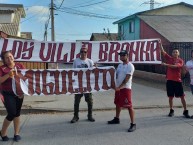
x: 124, y: 82
x: 162, y: 49
x: 170, y: 65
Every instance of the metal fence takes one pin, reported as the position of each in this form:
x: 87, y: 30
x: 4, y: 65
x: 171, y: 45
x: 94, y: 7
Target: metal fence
x: 185, y: 54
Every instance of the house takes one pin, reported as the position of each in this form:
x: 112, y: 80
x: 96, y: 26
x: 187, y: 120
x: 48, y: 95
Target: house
x: 129, y: 27
x: 173, y: 24
x: 104, y: 36
x: 10, y: 16
x: 26, y: 35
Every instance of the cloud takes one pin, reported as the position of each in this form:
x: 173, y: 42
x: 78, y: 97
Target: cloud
x: 41, y: 10
x: 42, y: 19
x: 41, y: 13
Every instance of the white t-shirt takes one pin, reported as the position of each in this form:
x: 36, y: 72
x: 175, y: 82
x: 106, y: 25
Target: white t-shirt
x: 78, y: 63
x: 122, y: 71
x: 189, y: 66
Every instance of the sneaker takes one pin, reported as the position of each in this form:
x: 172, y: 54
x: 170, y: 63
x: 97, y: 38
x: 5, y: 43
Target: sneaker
x: 74, y: 119
x: 186, y: 114
x: 91, y: 119
x: 4, y: 138
x: 114, y: 121
x: 132, y: 127
x: 171, y: 113
x: 17, y: 138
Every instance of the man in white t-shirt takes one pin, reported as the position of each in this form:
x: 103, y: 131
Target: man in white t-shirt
x: 124, y: 75
x: 83, y: 62
x: 189, y: 66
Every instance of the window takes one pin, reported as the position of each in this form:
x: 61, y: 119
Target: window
x: 131, y: 27
x: 121, y: 32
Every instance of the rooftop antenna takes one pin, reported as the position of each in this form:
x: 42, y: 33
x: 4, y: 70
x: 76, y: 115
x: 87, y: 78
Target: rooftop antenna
x: 151, y: 3
x: 104, y: 31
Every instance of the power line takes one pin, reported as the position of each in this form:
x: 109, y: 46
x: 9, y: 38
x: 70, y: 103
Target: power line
x: 82, y: 3
x: 32, y: 16
x: 88, y: 14
x: 61, y: 4
x: 90, y: 4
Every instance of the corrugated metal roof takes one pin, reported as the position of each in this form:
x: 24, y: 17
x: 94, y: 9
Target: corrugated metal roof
x: 17, y: 6
x: 10, y: 29
x: 144, y: 12
x: 104, y: 36
x: 173, y: 28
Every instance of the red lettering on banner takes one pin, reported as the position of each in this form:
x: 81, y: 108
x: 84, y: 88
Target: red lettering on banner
x: 112, y: 51
x: 46, y: 85
x: 156, y: 50
x: 27, y: 50
x: 59, y: 52
x: 103, y: 51
x: 17, y: 48
x: 89, y: 89
x: 64, y: 86
x: 72, y: 52
x: 28, y: 76
x: 5, y: 42
x: 107, y: 52
x: 80, y: 84
x: 37, y: 88
x: 135, y: 52
x: 105, y: 85
x: 52, y: 47
x: 56, y: 78
x: 38, y: 81
x: 89, y: 46
x: 42, y: 49
x: 96, y: 73
x: 70, y: 83
x: 142, y: 51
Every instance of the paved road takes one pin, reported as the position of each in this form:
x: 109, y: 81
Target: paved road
x: 153, y: 128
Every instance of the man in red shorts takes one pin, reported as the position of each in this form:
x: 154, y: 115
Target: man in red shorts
x: 124, y: 76
x: 174, y: 82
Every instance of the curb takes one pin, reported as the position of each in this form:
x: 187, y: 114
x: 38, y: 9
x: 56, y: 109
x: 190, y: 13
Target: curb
x: 25, y: 111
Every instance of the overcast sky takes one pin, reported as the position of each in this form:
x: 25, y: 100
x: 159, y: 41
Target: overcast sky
x: 71, y: 25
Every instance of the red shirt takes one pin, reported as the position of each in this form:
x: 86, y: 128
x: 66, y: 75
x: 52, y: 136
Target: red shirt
x: 4, y: 69
x: 173, y: 74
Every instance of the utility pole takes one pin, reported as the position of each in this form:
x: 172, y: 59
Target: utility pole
x: 52, y: 20
x: 52, y: 65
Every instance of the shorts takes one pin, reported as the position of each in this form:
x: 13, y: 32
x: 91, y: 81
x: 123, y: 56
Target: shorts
x: 123, y: 98
x: 174, y: 89
x: 191, y: 87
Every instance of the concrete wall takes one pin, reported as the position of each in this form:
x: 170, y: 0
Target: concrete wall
x: 160, y: 78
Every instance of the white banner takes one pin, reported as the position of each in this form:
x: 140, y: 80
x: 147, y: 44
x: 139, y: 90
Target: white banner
x: 140, y: 51
x: 63, y: 81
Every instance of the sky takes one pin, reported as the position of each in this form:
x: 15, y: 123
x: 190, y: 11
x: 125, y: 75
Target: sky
x: 73, y: 20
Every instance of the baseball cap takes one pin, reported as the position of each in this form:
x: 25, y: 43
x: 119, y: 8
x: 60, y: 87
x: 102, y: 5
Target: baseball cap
x: 123, y: 52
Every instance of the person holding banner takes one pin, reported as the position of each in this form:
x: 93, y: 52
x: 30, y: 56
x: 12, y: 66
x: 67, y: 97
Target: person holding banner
x: 124, y: 75
x: 83, y: 62
x: 189, y: 66
x: 11, y: 102
x: 174, y: 85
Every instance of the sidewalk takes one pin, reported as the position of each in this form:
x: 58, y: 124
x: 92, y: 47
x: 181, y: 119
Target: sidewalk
x: 153, y: 128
